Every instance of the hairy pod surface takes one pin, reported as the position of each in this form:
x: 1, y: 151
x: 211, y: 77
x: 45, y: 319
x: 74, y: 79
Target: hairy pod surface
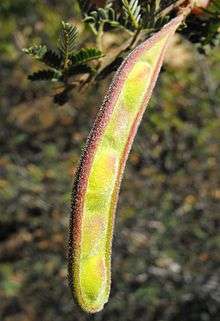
x: 97, y: 181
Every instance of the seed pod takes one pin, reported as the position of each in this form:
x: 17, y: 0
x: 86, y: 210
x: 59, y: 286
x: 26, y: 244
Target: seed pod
x: 99, y: 175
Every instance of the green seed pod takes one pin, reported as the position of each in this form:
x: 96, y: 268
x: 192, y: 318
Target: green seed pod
x: 99, y: 175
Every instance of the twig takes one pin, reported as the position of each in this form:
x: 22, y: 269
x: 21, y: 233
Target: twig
x: 99, y: 36
x: 134, y: 39
x: 163, y: 12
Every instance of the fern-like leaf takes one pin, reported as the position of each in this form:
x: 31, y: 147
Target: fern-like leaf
x: 79, y: 69
x: 132, y: 11
x: 36, y: 52
x: 45, y: 55
x: 51, y: 59
x: 67, y: 39
x: 84, y: 55
x: 46, y: 74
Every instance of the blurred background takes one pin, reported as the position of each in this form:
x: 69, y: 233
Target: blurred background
x: 166, y: 246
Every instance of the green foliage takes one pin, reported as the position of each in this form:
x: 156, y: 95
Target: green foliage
x: 85, y: 55
x: 79, y: 69
x: 135, y: 19
x: 102, y: 16
x: 132, y: 11
x: 64, y: 63
x: 151, y: 18
x: 129, y: 14
x: 36, y: 52
x: 204, y: 31
x: 52, y: 59
x: 45, y: 55
x: 45, y: 75
x: 67, y: 39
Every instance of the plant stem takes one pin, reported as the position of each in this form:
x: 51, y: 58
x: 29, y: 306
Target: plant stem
x: 99, y: 36
x: 167, y: 10
x: 134, y: 39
